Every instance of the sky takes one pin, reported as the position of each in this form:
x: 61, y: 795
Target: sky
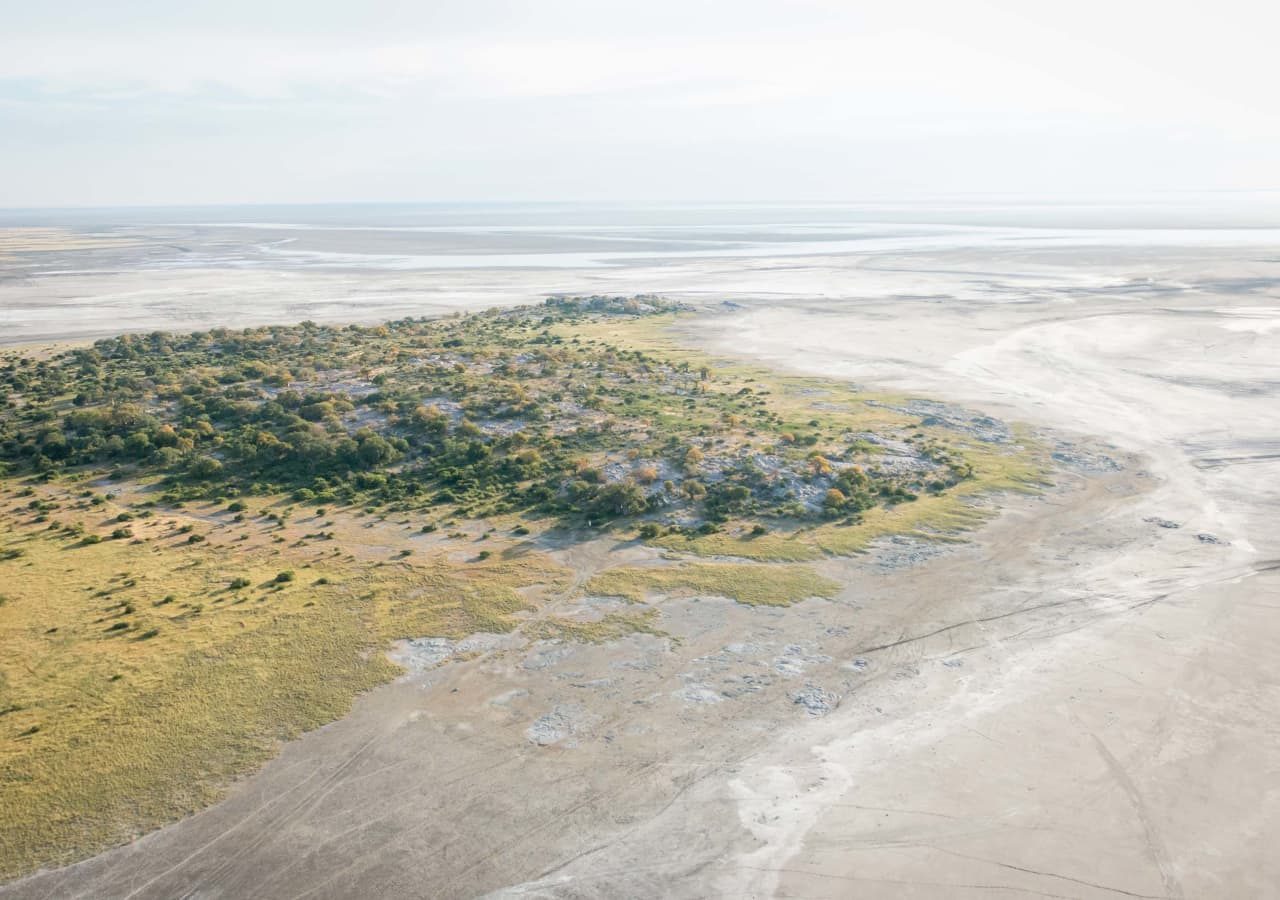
x: 140, y: 102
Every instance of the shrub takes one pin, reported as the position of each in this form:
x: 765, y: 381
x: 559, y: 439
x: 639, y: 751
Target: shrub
x: 724, y: 498
x: 834, y: 500
x: 286, y: 575
x: 206, y: 467
x: 646, y: 474
x: 241, y: 582
x: 621, y: 498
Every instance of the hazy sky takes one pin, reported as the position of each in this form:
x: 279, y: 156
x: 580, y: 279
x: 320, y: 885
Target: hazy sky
x: 145, y: 102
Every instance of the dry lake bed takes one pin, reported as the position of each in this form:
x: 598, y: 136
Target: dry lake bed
x: 1076, y: 700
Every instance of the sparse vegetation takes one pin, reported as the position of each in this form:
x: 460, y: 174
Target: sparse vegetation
x: 756, y: 585
x: 488, y: 414
x: 210, y: 686
x: 223, y: 450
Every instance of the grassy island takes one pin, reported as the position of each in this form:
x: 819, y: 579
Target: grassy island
x: 209, y: 540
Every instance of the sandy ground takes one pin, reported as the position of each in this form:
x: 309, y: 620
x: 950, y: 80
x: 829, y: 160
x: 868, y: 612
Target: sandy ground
x: 1135, y: 754
x: 1077, y: 703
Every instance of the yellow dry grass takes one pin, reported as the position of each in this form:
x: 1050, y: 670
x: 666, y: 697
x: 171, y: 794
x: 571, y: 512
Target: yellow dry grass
x: 754, y: 585
x: 794, y: 546
x: 123, y: 711
x: 608, y: 628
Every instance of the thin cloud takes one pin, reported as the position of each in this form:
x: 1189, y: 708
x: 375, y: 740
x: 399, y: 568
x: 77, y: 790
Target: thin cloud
x: 567, y: 94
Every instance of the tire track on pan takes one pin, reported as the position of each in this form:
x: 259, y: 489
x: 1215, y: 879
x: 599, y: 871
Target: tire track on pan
x: 241, y: 823
x: 277, y: 798
x: 360, y: 826
x: 336, y: 779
